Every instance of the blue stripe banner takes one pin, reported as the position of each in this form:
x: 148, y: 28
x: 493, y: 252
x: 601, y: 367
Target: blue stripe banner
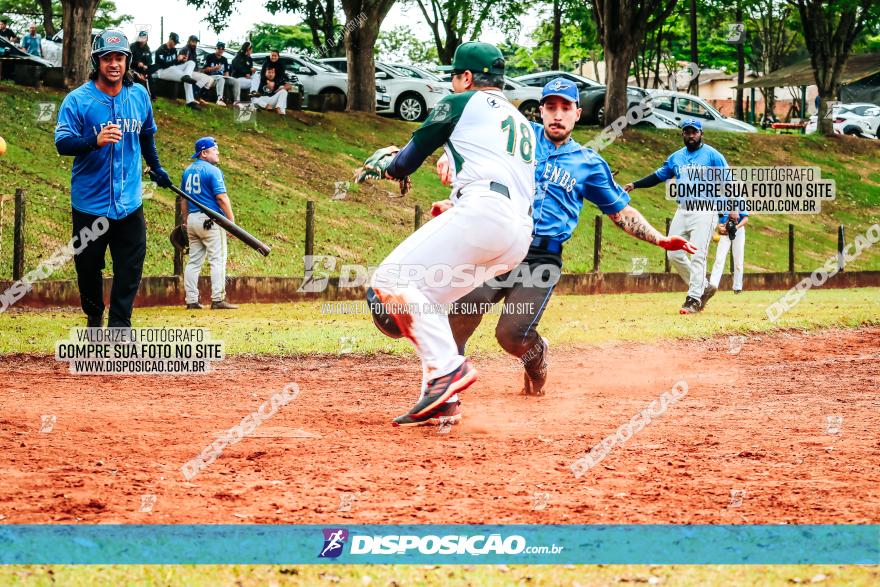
x: 440, y: 544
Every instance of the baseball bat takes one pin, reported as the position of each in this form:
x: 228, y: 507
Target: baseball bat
x: 232, y: 228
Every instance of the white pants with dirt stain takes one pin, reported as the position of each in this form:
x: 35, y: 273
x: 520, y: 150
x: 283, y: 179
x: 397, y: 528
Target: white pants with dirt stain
x: 210, y: 243
x: 278, y: 100
x: 484, y: 235
x: 739, y: 254
x: 233, y: 83
x: 696, y: 227
x: 176, y: 72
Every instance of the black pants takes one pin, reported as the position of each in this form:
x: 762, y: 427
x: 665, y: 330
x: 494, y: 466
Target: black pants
x: 524, y: 305
x: 127, y: 239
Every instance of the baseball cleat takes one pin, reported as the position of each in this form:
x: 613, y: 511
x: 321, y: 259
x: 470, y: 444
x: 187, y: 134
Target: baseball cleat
x: 449, y: 413
x: 223, y: 305
x: 194, y: 306
x: 707, y: 295
x: 737, y: 291
x: 95, y: 321
x: 535, y: 378
x: 690, y: 306
x: 439, y: 390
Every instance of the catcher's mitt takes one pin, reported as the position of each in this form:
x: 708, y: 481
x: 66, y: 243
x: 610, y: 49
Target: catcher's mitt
x: 179, y: 237
x: 376, y: 166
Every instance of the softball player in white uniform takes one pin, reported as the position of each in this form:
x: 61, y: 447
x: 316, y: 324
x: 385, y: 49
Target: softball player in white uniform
x: 483, y: 231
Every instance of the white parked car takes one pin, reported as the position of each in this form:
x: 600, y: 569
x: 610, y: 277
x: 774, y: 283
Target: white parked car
x: 316, y: 78
x: 859, y: 119
x: 408, y: 97
x: 680, y: 106
x: 52, y: 47
x: 421, y: 73
x: 525, y: 98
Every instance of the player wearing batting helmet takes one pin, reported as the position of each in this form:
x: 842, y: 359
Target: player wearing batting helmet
x: 107, y: 125
x: 566, y: 175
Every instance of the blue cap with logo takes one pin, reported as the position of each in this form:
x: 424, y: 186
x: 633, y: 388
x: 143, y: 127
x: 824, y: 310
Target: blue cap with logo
x: 561, y: 87
x: 202, y: 144
x: 693, y: 123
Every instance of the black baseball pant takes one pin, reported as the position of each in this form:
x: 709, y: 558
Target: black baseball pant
x: 525, y: 291
x: 127, y: 240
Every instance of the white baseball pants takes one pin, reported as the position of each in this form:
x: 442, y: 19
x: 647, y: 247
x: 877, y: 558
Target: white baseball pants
x: 696, y: 227
x: 276, y: 100
x: 739, y: 255
x: 233, y: 84
x: 481, y: 237
x: 202, y: 243
x: 175, y: 73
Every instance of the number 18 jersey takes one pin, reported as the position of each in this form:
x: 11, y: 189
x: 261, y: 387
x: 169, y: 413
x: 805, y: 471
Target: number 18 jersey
x: 487, y: 140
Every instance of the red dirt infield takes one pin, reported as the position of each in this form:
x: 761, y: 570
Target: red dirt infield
x: 789, y: 424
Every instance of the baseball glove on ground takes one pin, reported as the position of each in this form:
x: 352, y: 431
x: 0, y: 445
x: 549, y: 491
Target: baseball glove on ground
x: 179, y: 237
x: 376, y: 167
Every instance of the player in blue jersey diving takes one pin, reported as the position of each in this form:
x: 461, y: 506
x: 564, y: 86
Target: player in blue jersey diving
x: 107, y: 125
x: 566, y: 175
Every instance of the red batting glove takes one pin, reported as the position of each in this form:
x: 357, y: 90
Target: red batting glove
x: 677, y: 243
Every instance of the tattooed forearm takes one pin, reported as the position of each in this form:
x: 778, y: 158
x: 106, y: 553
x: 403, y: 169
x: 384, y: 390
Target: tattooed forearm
x: 632, y: 222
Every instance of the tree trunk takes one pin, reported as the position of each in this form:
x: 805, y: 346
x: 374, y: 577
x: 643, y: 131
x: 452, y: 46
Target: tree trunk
x: 363, y: 19
x: 75, y: 53
x: 48, y: 23
x: 557, y: 33
x: 694, y: 86
x: 741, y: 67
x: 616, y: 74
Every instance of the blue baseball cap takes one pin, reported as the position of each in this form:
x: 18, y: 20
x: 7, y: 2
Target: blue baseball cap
x: 696, y: 124
x: 561, y: 87
x: 202, y: 144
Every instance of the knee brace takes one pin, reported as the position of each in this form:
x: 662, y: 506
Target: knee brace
x: 382, y: 319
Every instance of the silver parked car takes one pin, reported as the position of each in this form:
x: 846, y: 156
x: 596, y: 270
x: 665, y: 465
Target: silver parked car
x: 680, y: 106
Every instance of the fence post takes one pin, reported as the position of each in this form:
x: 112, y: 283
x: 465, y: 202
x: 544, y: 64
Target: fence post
x: 178, y: 219
x: 417, y: 222
x: 791, y: 248
x: 310, y: 236
x: 597, y: 245
x: 841, y: 243
x: 666, y: 267
x: 18, y: 237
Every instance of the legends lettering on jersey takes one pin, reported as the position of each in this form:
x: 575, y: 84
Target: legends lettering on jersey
x: 125, y: 125
x: 559, y: 176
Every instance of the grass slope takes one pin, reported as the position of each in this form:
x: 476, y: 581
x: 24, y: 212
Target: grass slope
x: 273, y: 169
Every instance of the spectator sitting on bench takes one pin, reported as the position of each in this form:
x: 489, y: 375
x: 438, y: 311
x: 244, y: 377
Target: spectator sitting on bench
x: 274, y: 63
x: 141, y: 60
x: 272, y: 95
x: 217, y: 66
x: 243, y: 68
x: 173, y: 67
x: 189, y: 52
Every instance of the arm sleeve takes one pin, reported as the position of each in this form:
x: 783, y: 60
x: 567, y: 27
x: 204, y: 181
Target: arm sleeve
x: 426, y: 139
x: 648, y: 181
x: 69, y: 130
x: 407, y: 160
x: 599, y: 186
x: 218, y: 185
x: 148, y: 150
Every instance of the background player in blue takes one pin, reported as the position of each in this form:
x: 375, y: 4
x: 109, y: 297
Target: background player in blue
x: 566, y: 174
x: 203, y: 181
x: 107, y: 125
x: 696, y: 225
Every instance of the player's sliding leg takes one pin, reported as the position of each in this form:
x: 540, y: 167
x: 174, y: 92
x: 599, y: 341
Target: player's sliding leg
x: 481, y: 237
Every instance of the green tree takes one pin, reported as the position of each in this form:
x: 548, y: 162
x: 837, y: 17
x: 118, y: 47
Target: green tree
x: 453, y: 22
x: 48, y: 13
x: 400, y: 44
x: 265, y: 36
x: 830, y: 28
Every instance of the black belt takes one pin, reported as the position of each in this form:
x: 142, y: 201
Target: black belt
x: 551, y: 245
x: 499, y: 188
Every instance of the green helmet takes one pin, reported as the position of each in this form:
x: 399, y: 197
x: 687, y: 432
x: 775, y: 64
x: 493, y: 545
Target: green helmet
x: 110, y: 41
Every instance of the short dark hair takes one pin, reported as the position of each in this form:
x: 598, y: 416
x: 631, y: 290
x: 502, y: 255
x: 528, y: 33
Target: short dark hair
x: 488, y: 80
x: 3, y: 20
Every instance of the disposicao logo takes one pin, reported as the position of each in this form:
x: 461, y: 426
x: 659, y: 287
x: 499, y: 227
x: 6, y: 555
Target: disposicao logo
x: 334, y: 540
